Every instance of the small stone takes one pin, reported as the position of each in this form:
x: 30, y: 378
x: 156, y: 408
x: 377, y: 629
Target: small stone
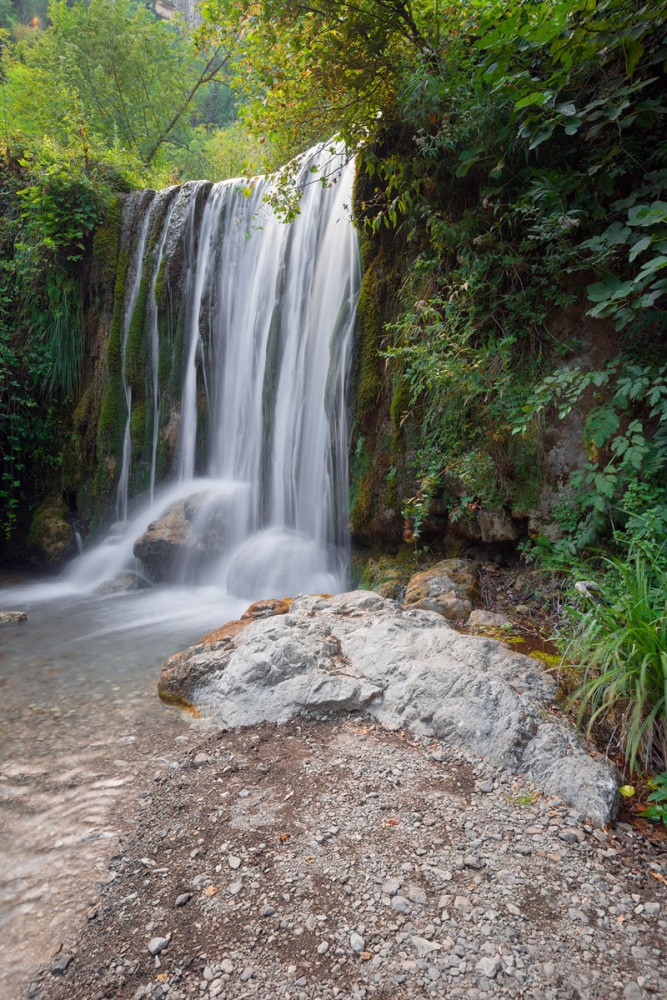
x: 489, y: 967
x: 183, y: 899
x: 235, y: 888
x: 322, y: 947
x: 244, y: 793
x: 569, y: 836
x: 233, y: 861
x: 485, y: 786
x: 423, y: 947
x: 247, y: 974
x: 202, y: 758
x: 357, y: 943
x: 415, y: 893
x: 472, y: 861
x: 401, y: 904
x: 157, y: 944
x: 226, y: 967
x: 267, y: 911
x: 390, y: 887
x: 60, y: 965
x: 12, y: 617
x: 651, y: 909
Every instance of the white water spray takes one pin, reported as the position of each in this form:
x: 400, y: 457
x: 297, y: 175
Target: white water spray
x: 262, y: 439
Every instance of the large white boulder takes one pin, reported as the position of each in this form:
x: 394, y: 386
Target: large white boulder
x: 405, y: 668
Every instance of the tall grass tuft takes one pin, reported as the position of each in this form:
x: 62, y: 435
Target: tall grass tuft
x: 620, y: 643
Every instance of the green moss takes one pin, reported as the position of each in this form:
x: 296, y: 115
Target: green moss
x: 370, y: 332
x: 175, y: 368
x: 138, y: 427
x: 161, y: 286
x: 550, y: 659
x: 106, y: 242
x: 114, y: 352
x: 136, y: 348
x: 51, y: 534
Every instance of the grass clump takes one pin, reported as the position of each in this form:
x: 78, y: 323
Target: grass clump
x: 621, y: 643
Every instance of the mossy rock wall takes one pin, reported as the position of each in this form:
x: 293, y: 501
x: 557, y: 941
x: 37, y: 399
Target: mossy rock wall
x: 379, y: 454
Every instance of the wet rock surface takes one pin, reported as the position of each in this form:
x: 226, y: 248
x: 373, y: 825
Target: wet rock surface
x: 194, y: 527
x: 338, y: 859
x: 405, y: 668
x: 12, y: 617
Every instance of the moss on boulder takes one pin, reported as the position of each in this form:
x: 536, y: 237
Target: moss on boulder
x: 51, y: 535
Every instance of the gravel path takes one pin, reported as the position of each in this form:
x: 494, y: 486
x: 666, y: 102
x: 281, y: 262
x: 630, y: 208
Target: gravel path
x: 337, y: 859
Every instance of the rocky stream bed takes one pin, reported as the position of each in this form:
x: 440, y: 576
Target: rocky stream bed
x: 381, y: 807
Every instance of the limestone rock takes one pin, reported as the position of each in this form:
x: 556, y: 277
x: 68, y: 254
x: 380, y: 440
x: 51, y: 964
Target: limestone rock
x: 497, y: 526
x: 12, y: 617
x: 485, y: 621
x: 181, y: 672
x: 194, y: 528
x: 448, y: 588
x: 124, y: 583
x: 388, y: 575
x: 408, y: 669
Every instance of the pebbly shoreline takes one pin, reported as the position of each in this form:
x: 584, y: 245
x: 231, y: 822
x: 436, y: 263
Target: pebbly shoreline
x: 339, y: 859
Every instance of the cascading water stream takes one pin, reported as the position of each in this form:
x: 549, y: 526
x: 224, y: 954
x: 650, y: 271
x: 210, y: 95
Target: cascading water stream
x: 130, y: 303
x: 267, y: 319
x: 153, y: 328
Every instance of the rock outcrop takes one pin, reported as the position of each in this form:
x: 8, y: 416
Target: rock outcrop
x: 406, y: 668
x: 449, y: 588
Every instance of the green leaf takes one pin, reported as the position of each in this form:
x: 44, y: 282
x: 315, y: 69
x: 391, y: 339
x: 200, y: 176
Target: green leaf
x: 537, y: 97
x: 639, y: 247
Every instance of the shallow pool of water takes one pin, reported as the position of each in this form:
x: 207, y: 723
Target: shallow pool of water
x: 81, y: 726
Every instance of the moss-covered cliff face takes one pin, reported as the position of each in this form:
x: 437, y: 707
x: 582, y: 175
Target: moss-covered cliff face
x: 489, y: 410
x: 379, y: 459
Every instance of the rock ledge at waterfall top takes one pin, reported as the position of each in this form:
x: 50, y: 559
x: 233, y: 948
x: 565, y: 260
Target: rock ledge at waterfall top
x: 405, y: 668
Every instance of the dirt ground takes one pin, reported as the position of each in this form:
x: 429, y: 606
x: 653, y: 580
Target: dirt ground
x: 338, y: 859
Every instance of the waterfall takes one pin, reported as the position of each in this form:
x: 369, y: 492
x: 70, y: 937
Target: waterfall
x: 256, y: 496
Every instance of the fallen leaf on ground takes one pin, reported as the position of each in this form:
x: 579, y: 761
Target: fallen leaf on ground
x: 211, y: 891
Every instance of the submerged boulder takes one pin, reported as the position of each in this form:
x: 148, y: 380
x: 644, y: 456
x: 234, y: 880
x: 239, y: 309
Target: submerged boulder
x: 12, y: 617
x: 190, y: 531
x: 404, y: 667
x: 124, y: 583
x: 449, y: 588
